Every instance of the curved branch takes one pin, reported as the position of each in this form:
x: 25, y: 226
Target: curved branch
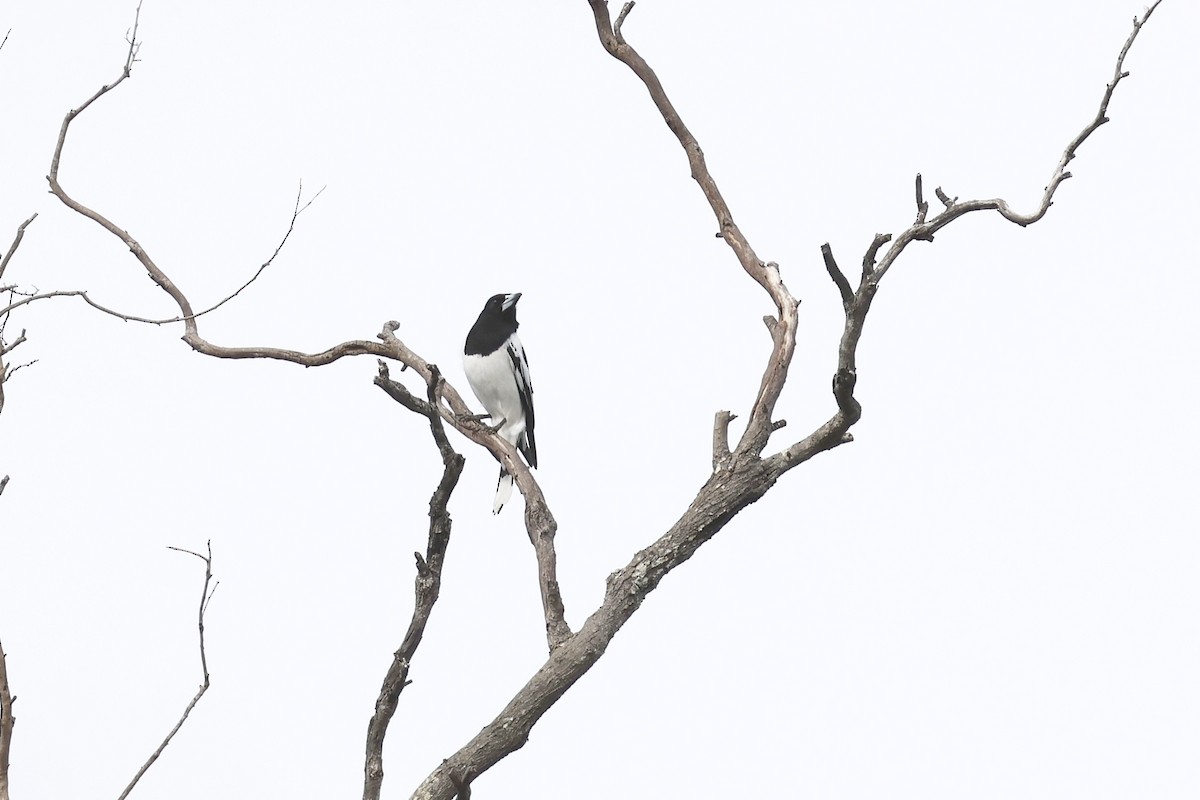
x: 783, y: 336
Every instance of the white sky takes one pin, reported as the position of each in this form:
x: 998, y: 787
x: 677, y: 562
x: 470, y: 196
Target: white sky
x: 991, y: 594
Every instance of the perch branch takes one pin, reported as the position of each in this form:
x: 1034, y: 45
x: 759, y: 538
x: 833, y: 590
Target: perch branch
x: 540, y: 524
x: 428, y: 581
x: 205, y: 596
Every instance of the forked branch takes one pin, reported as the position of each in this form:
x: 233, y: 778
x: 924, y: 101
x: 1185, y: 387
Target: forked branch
x: 428, y: 582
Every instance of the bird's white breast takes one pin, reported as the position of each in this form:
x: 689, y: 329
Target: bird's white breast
x: 491, y: 378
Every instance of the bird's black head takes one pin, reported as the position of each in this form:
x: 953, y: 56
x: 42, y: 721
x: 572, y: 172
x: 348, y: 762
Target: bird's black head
x: 503, y: 305
x: 496, y: 323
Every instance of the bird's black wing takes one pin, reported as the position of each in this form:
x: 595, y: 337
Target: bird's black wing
x: 520, y: 367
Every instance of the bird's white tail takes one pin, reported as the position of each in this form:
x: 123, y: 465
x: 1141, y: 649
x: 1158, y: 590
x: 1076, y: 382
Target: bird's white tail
x: 504, y: 489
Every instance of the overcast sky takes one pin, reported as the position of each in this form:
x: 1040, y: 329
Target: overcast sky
x: 992, y: 593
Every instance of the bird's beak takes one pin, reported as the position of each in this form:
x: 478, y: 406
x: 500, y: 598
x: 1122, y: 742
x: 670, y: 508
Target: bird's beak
x: 510, y: 300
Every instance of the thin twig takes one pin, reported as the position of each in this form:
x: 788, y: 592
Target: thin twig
x: 205, y: 597
x: 82, y: 294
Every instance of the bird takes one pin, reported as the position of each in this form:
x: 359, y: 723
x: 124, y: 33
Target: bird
x: 498, y: 371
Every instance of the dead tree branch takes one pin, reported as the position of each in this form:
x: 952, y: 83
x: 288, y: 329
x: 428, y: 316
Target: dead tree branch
x: 923, y: 230
x: 205, y: 597
x: 758, y: 427
x: 739, y: 478
x: 7, y: 720
x: 428, y: 582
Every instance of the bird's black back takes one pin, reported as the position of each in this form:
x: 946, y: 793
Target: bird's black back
x: 492, y: 329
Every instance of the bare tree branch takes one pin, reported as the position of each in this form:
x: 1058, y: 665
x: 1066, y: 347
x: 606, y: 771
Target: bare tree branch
x: 758, y: 427
x: 205, y: 597
x: 82, y: 294
x: 924, y: 230
x: 7, y: 720
x: 737, y: 480
x: 834, y: 432
x: 428, y: 582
